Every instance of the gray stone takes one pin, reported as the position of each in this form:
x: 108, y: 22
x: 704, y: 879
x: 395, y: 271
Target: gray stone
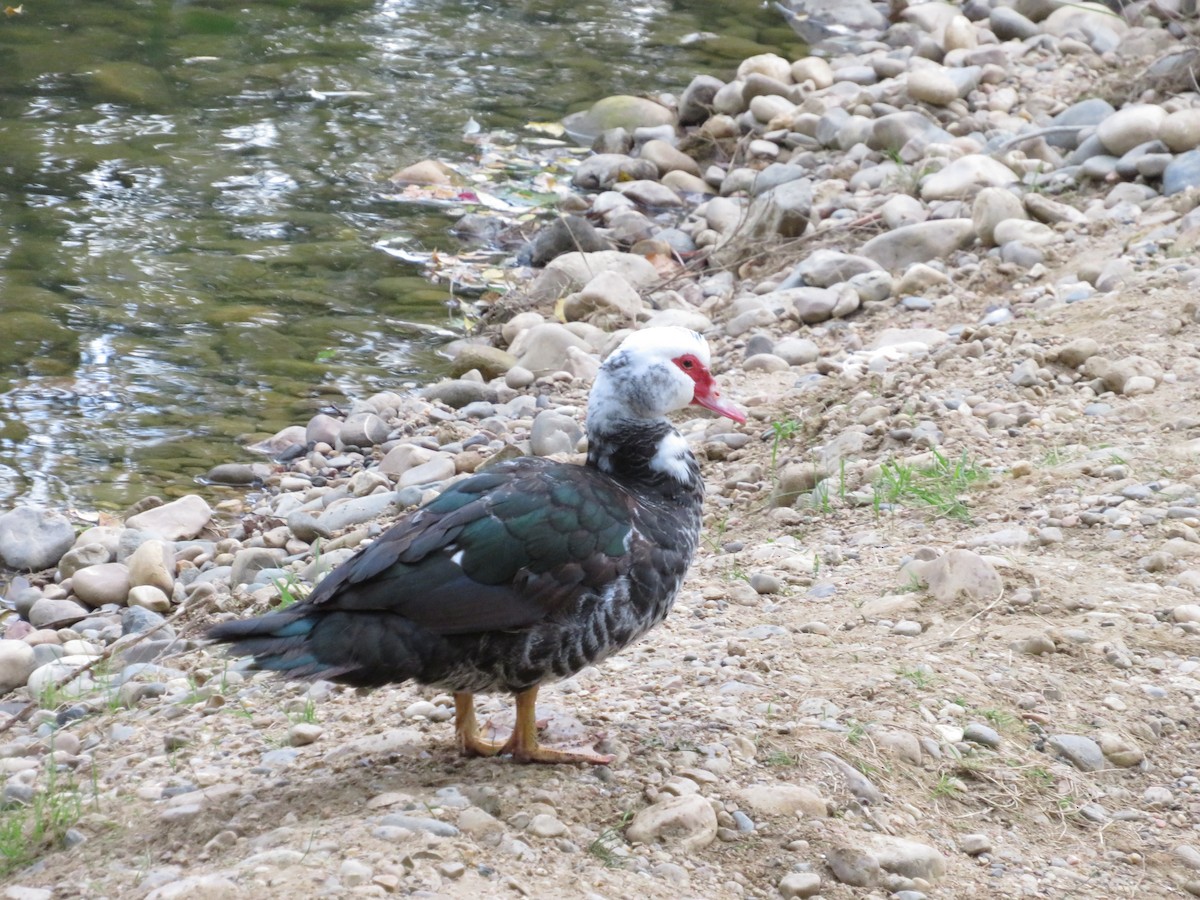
x: 687, y: 821
x: 696, y: 102
x: 33, y: 539
x: 825, y: 268
x: 457, y: 393
x: 797, y: 351
x: 992, y: 206
x: 553, y: 432
x: 364, y: 429
x: 564, y: 234
x: 48, y: 613
x: 812, y: 304
x: 894, y: 130
x: 1120, y: 750
x: 149, y: 597
x: 197, y: 887
x: 920, y: 242
x: 799, y: 884
x: 932, y: 85
x: 602, y: 171
x: 607, y: 301
x: 1130, y: 126
x: 959, y: 574
x: 774, y: 175
x: 1180, y: 131
x: 1182, y: 173
x: 105, y: 583
x: 1081, y: 752
x: 80, y: 557
x: 306, y: 527
x: 965, y: 177
x: 1009, y: 25
x: 237, y: 474
x: 153, y: 563
x: 362, y: 509
x: 619, y: 111
x: 1033, y: 234
x: 649, y: 193
x: 854, y: 866
x: 179, y: 520
x: 436, y: 469
x: 782, y: 212
x: 249, y: 562
x: 910, y: 859
x: 1086, y: 114
x: 765, y: 363
x: 322, y: 429
x: 783, y: 800
x: 667, y: 158
x: 975, y: 844
x: 139, y: 619
x: 543, y: 349
x: 420, y: 824
x: 856, y: 782
x: 16, y: 664
x: 978, y: 733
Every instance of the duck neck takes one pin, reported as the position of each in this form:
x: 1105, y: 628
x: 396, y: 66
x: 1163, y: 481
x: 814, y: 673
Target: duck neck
x: 650, y: 456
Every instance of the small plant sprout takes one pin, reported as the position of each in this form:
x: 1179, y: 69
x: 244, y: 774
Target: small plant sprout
x: 27, y: 831
x: 604, y: 847
x: 939, y: 485
x: 919, y: 676
x: 289, y: 589
x: 782, y: 758
x: 947, y: 786
x: 781, y: 433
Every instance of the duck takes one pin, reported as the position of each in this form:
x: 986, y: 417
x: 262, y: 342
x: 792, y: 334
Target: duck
x: 524, y: 573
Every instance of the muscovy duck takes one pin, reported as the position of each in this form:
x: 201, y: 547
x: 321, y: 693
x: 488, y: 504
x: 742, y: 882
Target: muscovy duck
x: 524, y: 573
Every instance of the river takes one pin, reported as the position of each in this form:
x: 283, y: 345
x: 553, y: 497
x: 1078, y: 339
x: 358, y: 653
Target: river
x: 190, y: 193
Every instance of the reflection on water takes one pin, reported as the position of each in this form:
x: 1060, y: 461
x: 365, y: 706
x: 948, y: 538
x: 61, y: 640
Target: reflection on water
x: 189, y: 194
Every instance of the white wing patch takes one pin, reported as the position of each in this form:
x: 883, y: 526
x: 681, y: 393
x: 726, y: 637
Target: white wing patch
x: 671, y: 457
x: 457, y: 559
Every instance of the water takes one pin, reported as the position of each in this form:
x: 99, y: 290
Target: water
x: 190, y: 191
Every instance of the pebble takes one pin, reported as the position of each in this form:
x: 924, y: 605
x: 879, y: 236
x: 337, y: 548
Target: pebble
x: 32, y: 539
x: 16, y: 664
x: 419, y: 824
x: 178, y: 520
x: 1081, y: 752
x: 917, y: 243
x: 959, y: 574
x: 800, y: 884
x: 981, y: 734
x: 687, y: 821
x: 783, y: 800
x: 105, y: 583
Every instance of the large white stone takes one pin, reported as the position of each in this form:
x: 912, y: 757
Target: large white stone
x: 1128, y: 127
x: 179, y: 520
x: 966, y: 177
x: 687, y: 822
x: 16, y: 664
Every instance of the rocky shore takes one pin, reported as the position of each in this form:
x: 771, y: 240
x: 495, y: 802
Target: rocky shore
x: 943, y: 637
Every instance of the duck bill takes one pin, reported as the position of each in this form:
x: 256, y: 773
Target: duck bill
x: 711, y: 399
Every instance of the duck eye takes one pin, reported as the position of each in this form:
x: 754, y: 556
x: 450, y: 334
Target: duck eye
x: 687, y: 363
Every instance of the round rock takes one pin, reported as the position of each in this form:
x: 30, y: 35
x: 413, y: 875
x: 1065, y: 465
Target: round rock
x: 16, y: 664
x: 1130, y: 126
x: 687, y: 822
x: 32, y: 539
x: 105, y: 583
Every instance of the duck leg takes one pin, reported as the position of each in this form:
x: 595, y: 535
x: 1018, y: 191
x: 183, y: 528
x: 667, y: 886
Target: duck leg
x: 523, y: 744
x: 466, y: 729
